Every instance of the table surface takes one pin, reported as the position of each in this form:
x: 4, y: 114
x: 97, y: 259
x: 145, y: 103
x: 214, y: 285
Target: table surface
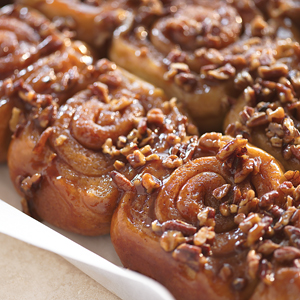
x: 28, y: 272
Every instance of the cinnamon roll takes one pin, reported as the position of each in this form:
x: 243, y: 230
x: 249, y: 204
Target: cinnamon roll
x: 178, y: 46
x: 220, y: 226
x: 267, y: 112
x: 68, y: 153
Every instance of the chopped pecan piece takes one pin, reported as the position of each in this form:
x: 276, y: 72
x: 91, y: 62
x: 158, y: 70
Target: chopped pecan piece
x: 210, y: 140
x: 40, y: 145
x: 118, y: 165
x: 223, y: 73
x: 171, y: 239
x: 294, y: 235
x: 285, y: 218
x: 136, y: 159
x: 267, y: 247
x: 220, y: 192
x: 188, y: 254
x: 109, y: 148
x: 122, y: 182
x: 205, y: 235
x: 150, y: 183
x: 226, y: 272
x: 266, y: 272
x: 206, y: 217
x: 30, y: 184
x: 155, y: 115
x: 101, y: 90
x: 253, y: 260
x: 172, y: 161
x: 286, y: 254
x: 185, y: 228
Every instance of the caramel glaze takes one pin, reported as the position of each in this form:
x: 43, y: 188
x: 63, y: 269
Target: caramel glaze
x: 267, y: 111
x: 180, y: 44
x: 64, y: 168
x: 153, y: 235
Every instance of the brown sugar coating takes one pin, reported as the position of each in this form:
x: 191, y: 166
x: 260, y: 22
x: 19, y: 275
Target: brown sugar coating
x: 68, y: 153
x: 221, y: 224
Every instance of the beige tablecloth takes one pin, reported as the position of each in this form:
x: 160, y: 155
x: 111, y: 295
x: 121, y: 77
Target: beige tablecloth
x: 27, y: 272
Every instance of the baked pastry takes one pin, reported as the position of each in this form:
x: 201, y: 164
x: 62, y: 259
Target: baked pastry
x: 63, y: 170
x: 217, y: 227
x: 89, y: 22
x: 267, y: 112
x: 178, y: 46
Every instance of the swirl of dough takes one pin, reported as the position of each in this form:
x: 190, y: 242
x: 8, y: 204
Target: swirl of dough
x: 25, y: 36
x: 211, y: 25
x: 207, y: 182
x: 94, y: 122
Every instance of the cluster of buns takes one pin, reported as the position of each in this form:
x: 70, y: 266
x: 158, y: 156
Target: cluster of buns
x: 190, y: 161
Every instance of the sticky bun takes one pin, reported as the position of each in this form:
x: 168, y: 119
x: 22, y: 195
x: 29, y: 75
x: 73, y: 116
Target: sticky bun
x: 178, y: 46
x: 68, y: 153
x: 222, y: 225
x: 267, y: 111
